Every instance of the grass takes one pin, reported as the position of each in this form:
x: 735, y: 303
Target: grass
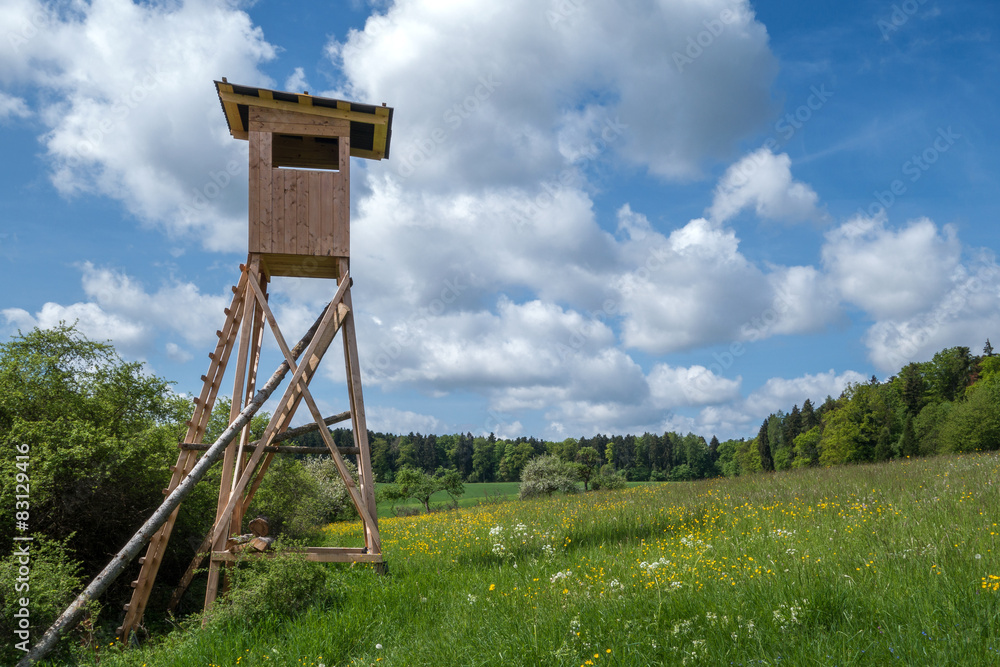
x: 475, y: 494
x: 866, y: 565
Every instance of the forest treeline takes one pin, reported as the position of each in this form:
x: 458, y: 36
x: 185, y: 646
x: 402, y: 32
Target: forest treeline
x: 948, y: 404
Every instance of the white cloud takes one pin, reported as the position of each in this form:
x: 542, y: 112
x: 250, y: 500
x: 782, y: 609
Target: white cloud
x: 635, y: 225
x: 697, y: 290
x: 393, y: 420
x: 296, y: 82
x: 178, y: 354
x: 695, y: 385
x: 89, y: 318
x: 967, y: 314
x: 617, y: 85
x: 175, y: 306
x: 122, y: 311
x: 763, y: 181
x: 131, y: 110
x: 892, y: 273
x: 12, y: 107
x: 781, y: 393
x: 805, y: 301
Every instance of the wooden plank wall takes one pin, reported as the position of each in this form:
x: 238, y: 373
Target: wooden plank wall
x: 311, y: 214
x: 298, y: 212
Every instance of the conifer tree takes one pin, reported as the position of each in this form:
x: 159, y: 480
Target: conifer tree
x: 764, y: 448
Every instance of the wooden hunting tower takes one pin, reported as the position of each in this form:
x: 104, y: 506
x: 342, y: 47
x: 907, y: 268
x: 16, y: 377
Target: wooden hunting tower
x: 299, y: 225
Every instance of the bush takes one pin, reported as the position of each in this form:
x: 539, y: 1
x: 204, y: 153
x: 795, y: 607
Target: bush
x: 279, y: 586
x: 610, y: 482
x: 681, y: 473
x: 544, y: 475
x: 53, y: 583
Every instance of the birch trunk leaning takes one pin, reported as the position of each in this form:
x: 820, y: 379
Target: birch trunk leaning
x: 69, y: 618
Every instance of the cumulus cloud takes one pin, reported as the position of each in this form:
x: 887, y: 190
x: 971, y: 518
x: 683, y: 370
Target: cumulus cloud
x: 131, y: 110
x: 89, y: 318
x: 781, y: 393
x: 698, y: 290
x: 892, y: 273
x: 123, y: 311
x: 617, y: 85
x: 965, y: 315
x: 393, y: 420
x: 296, y: 82
x: 805, y: 301
x: 763, y: 181
x: 695, y: 385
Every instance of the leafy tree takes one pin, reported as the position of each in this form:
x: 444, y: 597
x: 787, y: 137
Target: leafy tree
x: 102, y: 434
x: 332, y: 501
x: 420, y: 486
x: 546, y: 475
x: 287, y: 497
x: 929, y: 428
x: 609, y: 481
x: 681, y: 473
x: 748, y: 457
x: 515, y: 457
x: 55, y: 581
x: 949, y: 372
x: 989, y: 368
x: 460, y: 454
x: 988, y: 349
x: 727, y: 463
x: 483, y: 461
x: 974, y: 424
x: 842, y: 439
x: 807, y: 448
x: 383, y: 459
x: 587, y: 459
x: 792, y: 426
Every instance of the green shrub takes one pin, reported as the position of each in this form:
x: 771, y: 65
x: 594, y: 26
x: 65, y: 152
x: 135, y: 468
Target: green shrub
x: 274, y: 587
x: 51, y: 583
x: 681, y: 473
x: 607, y: 481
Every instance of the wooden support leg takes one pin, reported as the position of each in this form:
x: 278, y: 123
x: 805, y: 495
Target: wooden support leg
x: 304, y: 372
x: 360, y: 427
x: 229, y: 462
x: 150, y: 564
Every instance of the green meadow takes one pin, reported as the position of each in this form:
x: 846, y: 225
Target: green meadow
x: 893, y: 563
x: 475, y: 494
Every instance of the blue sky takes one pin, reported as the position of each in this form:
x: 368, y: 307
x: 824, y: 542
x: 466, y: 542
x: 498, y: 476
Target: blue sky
x: 596, y: 217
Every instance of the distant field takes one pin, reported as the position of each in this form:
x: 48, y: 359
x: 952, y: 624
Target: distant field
x: 475, y: 494
x: 897, y: 563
